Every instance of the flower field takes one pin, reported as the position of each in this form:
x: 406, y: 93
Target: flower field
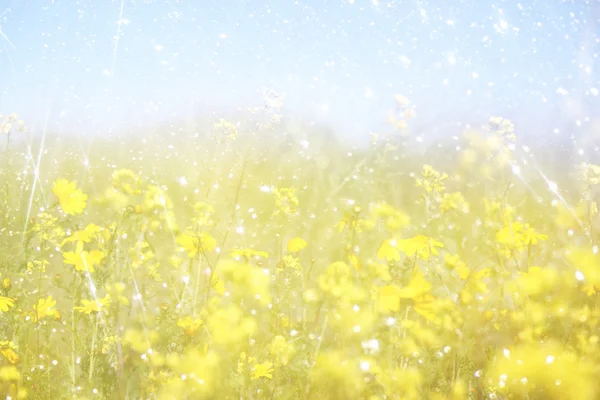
x: 220, y: 265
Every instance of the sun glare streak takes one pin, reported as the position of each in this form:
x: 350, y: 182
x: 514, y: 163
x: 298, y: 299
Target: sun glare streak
x: 118, y: 37
x: 553, y: 187
x: 516, y: 170
x: 36, y: 177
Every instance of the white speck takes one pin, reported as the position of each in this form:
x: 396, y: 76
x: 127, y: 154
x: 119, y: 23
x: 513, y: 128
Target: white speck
x: 365, y: 365
x: 356, y: 329
x: 562, y: 91
x: 356, y: 308
x: 390, y: 321
x: 516, y: 170
x: 293, y: 332
x: 451, y: 59
x: 371, y: 345
x: 553, y: 187
x: 265, y: 189
x: 477, y: 373
x: 183, y: 181
x: 159, y: 48
x: 550, y: 359
x: 506, y: 353
x: 594, y: 91
x: 185, y: 279
x: 475, y: 75
x: 240, y: 230
x: 304, y: 144
x: 579, y: 275
x: 405, y: 61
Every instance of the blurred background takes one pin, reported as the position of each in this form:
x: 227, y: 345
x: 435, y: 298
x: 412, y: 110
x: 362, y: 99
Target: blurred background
x: 100, y: 67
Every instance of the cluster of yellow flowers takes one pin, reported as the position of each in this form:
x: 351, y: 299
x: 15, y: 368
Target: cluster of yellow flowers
x: 444, y: 287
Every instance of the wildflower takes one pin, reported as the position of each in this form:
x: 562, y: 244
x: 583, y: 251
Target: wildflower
x: 431, y: 180
x: 72, y: 200
x: 195, y: 243
x: 9, y: 373
x: 8, y: 351
x: 336, y: 279
x: 45, y: 308
x: 190, y: 325
x: 127, y: 182
x: 86, y: 235
x: 296, y: 244
x: 420, y: 245
x: 394, y: 219
x: 92, y: 306
x: 454, y: 263
x: 6, y: 303
x: 389, y: 298
x: 263, y: 370
x: 388, y: 251
x: 417, y: 286
x: 454, y: 202
x: 290, y: 262
x: 83, y: 260
x: 286, y: 201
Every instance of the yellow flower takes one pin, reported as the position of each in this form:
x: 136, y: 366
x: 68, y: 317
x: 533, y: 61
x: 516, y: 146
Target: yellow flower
x: 9, y: 373
x: 190, y: 325
x: 454, y: 201
x: 417, y: 286
x: 421, y: 245
x: 263, y: 370
x: 193, y: 243
x: 7, y: 349
x: 453, y: 262
x: 389, y: 298
x: 285, y: 201
x: 126, y: 181
x: 83, y: 260
x: 72, y: 200
x: 296, y: 244
x: 92, y: 306
x: 45, y: 308
x: 6, y: 303
x: 85, y: 235
x: 388, y: 251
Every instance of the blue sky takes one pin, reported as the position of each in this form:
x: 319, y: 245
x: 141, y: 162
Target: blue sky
x: 95, y: 66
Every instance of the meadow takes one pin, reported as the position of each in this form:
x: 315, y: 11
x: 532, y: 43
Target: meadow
x: 246, y: 261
